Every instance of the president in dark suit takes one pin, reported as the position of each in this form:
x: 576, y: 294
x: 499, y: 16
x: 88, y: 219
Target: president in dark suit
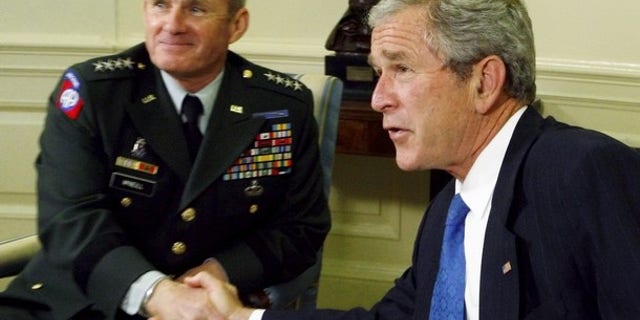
x: 542, y: 220
x: 129, y: 205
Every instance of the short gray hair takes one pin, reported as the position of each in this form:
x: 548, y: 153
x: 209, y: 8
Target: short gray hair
x: 463, y: 32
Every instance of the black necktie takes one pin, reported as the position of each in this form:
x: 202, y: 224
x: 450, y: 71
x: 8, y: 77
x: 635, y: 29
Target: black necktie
x: 191, y: 111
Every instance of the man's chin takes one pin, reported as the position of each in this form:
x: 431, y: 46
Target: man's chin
x: 405, y: 162
x: 173, y: 68
x: 174, y: 62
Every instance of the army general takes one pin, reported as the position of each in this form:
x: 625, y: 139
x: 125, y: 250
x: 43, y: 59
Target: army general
x: 173, y: 157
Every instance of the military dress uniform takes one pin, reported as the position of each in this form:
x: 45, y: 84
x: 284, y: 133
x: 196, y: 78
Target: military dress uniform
x: 119, y: 195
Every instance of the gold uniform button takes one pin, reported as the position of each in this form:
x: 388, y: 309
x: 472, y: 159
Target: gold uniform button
x: 247, y: 74
x: 179, y: 248
x: 188, y: 215
x: 126, y: 202
x: 37, y: 286
x: 253, y: 209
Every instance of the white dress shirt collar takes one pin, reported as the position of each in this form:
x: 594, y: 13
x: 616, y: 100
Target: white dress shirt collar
x: 477, y: 188
x: 207, y: 95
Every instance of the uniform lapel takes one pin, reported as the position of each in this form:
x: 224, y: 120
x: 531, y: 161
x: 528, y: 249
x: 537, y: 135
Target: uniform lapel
x: 230, y: 131
x: 155, y: 117
x: 499, y: 286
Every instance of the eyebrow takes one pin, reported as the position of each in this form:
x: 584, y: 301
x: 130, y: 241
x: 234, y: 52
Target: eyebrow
x: 391, y: 55
x: 394, y: 55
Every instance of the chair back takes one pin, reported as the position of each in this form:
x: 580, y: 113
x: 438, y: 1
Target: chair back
x: 15, y: 253
x: 327, y: 97
x: 301, y: 293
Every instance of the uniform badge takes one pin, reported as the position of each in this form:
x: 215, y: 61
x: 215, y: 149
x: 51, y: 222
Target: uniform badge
x: 236, y: 109
x: 136, y: 165
x: 254, y: 190
x: 69, y: 100
x: 139, y: 148
x: 132, y: 184
x: 113, y: 64
x: 284, y: 81
x: 269, y: 155
x: 272, y: 114
x: 149, y: 98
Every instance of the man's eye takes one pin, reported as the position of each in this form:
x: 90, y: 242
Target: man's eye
x: 159, y: 4
x: 402, y: 68
x: 197, y: 10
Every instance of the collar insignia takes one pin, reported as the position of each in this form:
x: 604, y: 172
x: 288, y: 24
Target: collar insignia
x: 148, y: 98
x: 236, y: 109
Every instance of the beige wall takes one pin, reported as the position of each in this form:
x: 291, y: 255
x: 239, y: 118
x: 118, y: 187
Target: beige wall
x: 589, y: 74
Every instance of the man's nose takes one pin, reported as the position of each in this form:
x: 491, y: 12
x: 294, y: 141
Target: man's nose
x: 382, y: 94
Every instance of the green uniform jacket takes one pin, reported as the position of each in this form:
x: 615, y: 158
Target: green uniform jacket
x: 118, y: 195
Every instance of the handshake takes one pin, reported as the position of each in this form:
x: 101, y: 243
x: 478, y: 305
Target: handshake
x: 199, y: 294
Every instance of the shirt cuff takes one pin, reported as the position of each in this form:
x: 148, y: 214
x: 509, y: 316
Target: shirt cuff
x: 132, y: 301
x: 257, y: 314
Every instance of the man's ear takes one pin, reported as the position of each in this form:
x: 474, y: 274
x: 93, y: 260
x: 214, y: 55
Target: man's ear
x: 489, y: 76
x: 239, y: 25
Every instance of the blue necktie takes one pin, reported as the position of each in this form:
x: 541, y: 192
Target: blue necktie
x: 447, y: 301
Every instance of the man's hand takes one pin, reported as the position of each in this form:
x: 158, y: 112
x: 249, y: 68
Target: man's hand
x: 211, y: 267
x: 222, y: 294
x: 174, y: 300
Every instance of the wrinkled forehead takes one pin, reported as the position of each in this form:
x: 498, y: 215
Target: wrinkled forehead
x: 398, y: 31
x: 398, y: 34
x: 403, y: 38
x: 408, y: 23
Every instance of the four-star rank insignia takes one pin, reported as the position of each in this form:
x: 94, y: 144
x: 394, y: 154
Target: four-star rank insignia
x: 113, y: 64
x: 284, y: 81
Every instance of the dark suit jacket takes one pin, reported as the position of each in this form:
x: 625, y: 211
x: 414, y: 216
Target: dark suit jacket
x: 562, y: 241
x: 118, y: 195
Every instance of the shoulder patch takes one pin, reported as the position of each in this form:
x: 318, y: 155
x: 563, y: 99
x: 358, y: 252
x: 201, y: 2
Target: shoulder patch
x: 69, y: 100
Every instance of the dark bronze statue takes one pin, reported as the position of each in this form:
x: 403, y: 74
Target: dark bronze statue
x: 352, y: 34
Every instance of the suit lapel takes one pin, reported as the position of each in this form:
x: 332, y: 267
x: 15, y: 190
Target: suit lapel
x: 499, y: 286
x: 155, y: 117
